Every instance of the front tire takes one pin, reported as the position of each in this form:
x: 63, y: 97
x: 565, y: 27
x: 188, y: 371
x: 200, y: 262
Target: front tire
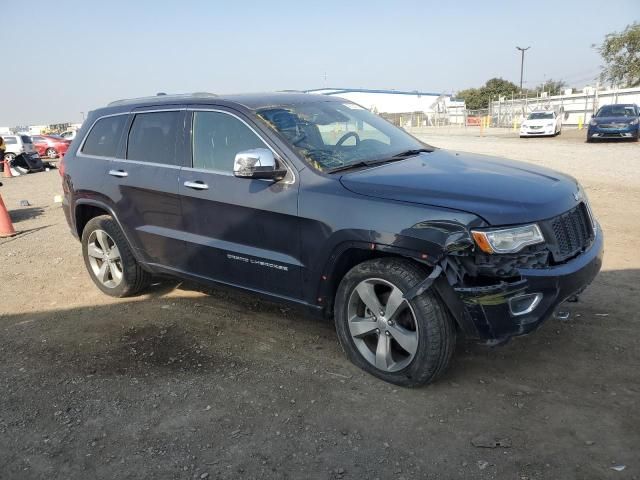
x: 109, y: 260
x: 407, y: 343
x: 51, y: 153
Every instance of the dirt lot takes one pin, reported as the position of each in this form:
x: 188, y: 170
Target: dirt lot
x: 185, y: 383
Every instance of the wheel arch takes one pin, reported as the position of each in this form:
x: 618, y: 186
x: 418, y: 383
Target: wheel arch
x: 353, y: 253
x: 348, y: 255
x: 86, y: 209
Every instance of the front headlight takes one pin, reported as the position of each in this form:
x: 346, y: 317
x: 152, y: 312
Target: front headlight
x: 634, y: 121
x: 593, y: 123
x: 507, y: 240
x: 524, y: 125
x: 549, y: 125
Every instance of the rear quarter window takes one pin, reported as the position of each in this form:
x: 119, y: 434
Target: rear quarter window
x: 25, y: 139
x: 104, y: 137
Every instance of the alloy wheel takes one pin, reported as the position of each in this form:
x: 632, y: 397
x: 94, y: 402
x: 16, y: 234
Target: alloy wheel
x: 51, y: 153
x: 382, y: 324
x: 105, y: 259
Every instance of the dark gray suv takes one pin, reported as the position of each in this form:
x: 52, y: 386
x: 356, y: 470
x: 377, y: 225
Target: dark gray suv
x: 316, y: 201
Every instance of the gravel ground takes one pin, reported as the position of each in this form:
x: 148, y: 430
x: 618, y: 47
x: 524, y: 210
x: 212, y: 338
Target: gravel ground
x: 184, y: 382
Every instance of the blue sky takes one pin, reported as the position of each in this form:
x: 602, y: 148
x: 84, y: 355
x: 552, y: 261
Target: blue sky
x: 78, y: 55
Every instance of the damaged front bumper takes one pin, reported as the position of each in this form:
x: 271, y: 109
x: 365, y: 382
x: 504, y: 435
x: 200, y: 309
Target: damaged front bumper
x: 508, y: 309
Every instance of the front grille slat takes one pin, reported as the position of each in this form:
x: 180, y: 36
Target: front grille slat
x: 571, y: 232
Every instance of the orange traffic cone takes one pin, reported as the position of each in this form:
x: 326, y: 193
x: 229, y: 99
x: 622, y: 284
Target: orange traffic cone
x: 6, y: 227
x: 6, y: 169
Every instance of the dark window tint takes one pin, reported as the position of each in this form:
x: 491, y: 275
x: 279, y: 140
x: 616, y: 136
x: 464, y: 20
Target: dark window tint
x: 617, y: 111
x: 217, y: 137
x: 104, y: 137
x: 37, y: 138
x: 25, y: 139
x: 10, y: 140
x: 152, y: 137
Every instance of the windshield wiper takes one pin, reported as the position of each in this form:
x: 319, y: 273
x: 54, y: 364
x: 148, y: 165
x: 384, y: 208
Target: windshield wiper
x: 371, y: 163
x: 411, y: 153
x: 349, y: 167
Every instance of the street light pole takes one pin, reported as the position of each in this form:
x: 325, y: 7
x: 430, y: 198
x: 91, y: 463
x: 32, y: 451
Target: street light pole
x: 522, y: 50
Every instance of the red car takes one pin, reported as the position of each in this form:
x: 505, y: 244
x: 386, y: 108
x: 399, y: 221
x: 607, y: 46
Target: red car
x: 49, y: 146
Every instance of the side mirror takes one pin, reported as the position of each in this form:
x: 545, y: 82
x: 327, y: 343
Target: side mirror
x: 257, y: 163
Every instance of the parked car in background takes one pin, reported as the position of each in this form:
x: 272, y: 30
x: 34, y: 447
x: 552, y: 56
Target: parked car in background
x: 316, y: 201
x: 68, y: 135
x: 50, y: 146
x: 22, y: 154
x: 615, y: 121
x: 540, y: 124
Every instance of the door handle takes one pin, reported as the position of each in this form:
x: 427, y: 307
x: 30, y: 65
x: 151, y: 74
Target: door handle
x: 118, y: 173
x: 197, y: 185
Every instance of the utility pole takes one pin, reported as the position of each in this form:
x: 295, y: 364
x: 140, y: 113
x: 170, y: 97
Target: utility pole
x: 522, y: 50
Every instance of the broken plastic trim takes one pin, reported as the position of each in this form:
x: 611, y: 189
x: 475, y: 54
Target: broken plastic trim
x: 422, y: 286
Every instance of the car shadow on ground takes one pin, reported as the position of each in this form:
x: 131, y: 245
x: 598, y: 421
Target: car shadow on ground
x: 611, y: 296
x: 26, y: 213
x: 228, y: 375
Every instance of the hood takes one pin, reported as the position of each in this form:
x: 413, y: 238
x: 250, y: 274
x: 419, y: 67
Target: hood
x: 539, y: 121
x: 614, y: 119
x: 503, y: 192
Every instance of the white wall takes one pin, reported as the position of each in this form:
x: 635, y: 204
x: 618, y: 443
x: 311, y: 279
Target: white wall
x: 577, y: 107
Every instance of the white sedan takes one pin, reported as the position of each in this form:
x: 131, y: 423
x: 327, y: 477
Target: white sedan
x: 540, y: 124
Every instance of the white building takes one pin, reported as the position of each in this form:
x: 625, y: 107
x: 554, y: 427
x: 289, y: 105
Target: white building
x: 404, y: 108
x: 36, y: 129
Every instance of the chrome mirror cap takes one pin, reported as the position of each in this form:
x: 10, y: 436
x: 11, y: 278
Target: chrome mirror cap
x: 257, y: 163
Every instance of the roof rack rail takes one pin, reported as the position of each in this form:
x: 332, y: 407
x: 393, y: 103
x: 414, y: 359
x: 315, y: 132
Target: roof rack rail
x: 161, y: 96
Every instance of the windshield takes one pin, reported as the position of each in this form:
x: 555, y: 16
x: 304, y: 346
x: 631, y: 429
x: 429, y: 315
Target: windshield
x: 540, y: 115
x: 617, y: 111
x: 332, y: 135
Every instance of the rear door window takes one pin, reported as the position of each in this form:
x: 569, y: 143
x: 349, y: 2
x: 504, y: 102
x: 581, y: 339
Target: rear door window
x: 25, y: 139
x: 10, y: 140
x: 152, y: 137
x: 104, y: 137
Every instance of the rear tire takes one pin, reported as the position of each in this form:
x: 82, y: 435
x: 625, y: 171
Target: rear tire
x: 109, y: 260
x: 411, y: 347
x: 51, y: 153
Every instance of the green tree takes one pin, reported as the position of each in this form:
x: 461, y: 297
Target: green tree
x: 477, y: 98
x: 472, y: 98
x: 621, y: 54
x: 553, y: 87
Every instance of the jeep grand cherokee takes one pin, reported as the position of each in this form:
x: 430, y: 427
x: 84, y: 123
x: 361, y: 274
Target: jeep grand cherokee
x: 314, y: 200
